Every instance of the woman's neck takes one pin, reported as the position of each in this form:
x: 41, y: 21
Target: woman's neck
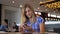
x: 30, y: 18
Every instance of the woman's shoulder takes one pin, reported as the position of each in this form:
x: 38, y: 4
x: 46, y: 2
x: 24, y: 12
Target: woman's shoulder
x: 39, y: 17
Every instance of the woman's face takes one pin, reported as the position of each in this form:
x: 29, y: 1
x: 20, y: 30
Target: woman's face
x: 28, y: 12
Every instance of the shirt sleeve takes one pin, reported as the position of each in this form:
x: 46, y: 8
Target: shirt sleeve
x: 40, y: 20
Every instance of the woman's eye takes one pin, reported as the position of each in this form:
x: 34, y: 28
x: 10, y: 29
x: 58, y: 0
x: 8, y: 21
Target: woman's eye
x: 29, y: 10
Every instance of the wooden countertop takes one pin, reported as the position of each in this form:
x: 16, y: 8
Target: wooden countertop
x: 26, y: 33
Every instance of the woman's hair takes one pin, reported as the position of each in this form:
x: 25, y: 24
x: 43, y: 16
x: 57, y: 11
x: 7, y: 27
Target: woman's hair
x: 24, y: 18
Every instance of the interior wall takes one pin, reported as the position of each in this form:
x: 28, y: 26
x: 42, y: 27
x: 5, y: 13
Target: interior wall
x: 11, y: 13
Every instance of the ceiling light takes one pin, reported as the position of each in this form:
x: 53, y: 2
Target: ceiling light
x: 20, y: 5
x: 35, y: 12
x: 48, y: 14
x: 41, y: 2
x: 13, y: 2
x: 58, y: 16
x: 53, y: 15
x: 39, y: 13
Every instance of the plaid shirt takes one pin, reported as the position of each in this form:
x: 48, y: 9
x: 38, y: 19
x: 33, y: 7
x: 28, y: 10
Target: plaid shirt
x: 35, y: 26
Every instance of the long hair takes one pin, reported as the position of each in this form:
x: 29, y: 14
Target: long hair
x: 24, y: 18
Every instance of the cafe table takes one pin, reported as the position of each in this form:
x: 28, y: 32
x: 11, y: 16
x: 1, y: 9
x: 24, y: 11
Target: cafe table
x: 26, y: 33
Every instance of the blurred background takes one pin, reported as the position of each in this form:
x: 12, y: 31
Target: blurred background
x: 48, y: 9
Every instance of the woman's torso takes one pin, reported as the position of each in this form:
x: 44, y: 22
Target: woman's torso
x: 35, y: 26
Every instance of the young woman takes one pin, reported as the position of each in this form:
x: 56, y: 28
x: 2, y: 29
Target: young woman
x: 30, y: 22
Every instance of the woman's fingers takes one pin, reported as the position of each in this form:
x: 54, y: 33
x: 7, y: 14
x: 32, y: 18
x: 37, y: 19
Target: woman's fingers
x: 24, y: 27
x: 21, y: 29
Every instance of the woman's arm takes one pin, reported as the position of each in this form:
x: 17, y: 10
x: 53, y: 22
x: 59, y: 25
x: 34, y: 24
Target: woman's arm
x: 21, y: 29
x: 42, y: 28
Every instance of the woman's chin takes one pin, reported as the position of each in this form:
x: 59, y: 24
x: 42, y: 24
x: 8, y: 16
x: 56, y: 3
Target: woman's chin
x: 29, y: 16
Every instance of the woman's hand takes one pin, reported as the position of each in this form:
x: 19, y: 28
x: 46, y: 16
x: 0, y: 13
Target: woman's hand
x: 28, y: 28
x: 21, y: 29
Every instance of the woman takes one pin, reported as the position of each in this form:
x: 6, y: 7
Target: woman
x: 30, y: 21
